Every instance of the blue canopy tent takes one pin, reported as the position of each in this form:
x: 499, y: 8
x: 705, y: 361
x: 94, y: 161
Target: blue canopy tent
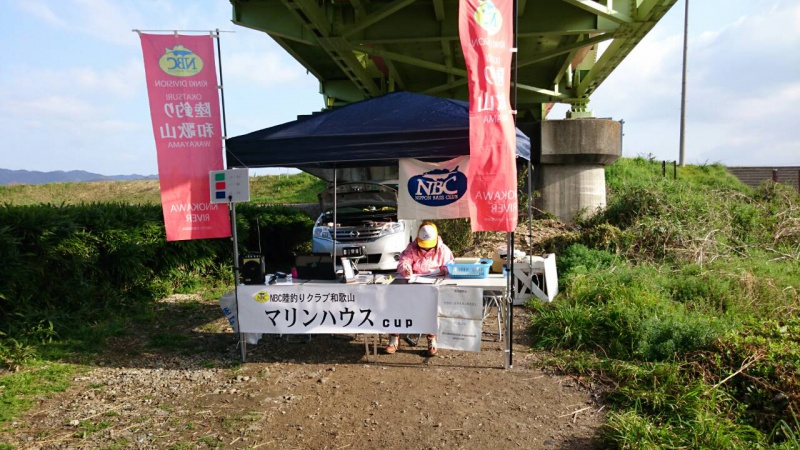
x: 373, y: 132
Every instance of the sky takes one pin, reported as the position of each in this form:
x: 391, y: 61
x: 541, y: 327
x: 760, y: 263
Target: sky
x: 73, y: 93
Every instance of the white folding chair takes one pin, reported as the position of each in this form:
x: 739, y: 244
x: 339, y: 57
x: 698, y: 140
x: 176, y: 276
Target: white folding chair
x: 494, y: 299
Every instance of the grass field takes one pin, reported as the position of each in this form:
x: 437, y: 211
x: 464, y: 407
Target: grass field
x: 681, y: 297
x: 296, y: 188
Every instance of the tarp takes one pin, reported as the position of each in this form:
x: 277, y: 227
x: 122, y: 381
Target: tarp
x: 373, y: 132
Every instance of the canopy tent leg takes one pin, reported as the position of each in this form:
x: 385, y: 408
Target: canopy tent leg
x: 236, y: 268
x: 509, y: 310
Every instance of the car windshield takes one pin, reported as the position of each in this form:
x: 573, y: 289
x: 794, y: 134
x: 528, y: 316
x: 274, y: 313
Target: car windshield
x: 362, y: 195
x: 384, y: 213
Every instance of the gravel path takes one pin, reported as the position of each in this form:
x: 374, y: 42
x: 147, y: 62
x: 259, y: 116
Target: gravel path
x: 178, y: 384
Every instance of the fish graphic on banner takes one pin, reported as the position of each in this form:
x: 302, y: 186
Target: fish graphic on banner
x: 184, y: 107
x: 433, y: 190
x: 485, y: 29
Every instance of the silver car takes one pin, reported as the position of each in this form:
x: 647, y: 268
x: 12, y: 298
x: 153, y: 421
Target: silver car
x: 365, y: 225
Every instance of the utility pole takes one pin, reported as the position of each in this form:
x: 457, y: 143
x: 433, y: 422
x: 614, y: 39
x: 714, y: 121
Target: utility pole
x: 683, y: 85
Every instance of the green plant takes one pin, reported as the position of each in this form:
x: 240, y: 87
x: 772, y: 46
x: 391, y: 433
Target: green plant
x: 456, y: 233
x: 264, y: 189
x: 19, y: 389
x: 622, y: 314
x: 579, y: 259
x: 682, y: 295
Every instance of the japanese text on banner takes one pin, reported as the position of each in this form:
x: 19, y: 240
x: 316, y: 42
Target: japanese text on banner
x: 184, y: 107
x: 486, y: 32
x: 298, y: 309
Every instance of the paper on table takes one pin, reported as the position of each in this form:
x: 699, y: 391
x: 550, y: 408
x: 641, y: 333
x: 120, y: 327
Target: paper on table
x: 438, y: 272
x: 422, y: 279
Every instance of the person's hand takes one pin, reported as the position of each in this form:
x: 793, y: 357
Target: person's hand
x: 404, y: 271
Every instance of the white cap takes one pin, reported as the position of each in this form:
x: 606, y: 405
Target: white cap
x: 427, y: 236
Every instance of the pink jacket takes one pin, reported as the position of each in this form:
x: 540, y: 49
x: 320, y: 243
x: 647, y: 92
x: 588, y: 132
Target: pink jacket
x: 419, y: 261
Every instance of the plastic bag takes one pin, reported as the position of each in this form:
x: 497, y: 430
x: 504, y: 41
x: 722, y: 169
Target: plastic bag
x: 228, y: 304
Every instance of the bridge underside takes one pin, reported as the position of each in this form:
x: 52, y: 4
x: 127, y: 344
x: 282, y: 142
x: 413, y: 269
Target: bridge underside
x: 363, y: 48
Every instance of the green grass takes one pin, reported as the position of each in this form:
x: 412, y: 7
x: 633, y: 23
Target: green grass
x: 281, y: 189
x: 270, y: 189
x: 19, y: 390
x: 682, y: 296
x: 86, y: 428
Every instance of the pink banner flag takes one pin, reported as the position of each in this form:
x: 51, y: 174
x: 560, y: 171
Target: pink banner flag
x: 184, y: 106
x: 486, y: 32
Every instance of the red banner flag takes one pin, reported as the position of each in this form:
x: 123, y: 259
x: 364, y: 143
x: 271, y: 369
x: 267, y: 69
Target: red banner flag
x: 184, y: 105
x: 486, y: 32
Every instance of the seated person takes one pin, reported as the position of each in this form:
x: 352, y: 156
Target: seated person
x: 427, y: 255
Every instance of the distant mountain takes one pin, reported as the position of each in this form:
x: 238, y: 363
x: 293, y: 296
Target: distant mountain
x: 8, y: 177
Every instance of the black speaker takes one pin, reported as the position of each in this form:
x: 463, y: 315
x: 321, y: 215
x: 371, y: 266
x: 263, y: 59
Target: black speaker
x: 315, y: 267
x: 252, y: 268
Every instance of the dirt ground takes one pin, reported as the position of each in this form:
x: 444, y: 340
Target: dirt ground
x: 179, y: 383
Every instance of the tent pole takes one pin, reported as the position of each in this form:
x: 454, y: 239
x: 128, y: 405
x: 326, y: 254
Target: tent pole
x: 221, y: 93
x: 231, y: 205
x: 335, y: 219
x: 530, y: 207
x: 510, y: 244
x: 508, y: 312
x: 235, y: 239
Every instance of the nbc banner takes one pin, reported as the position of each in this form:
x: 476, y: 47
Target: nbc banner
x: 432, y: 190
x: 486, y: 32
x: 184, y: 105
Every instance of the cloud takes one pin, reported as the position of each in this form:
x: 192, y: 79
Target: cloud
x: 741, y: 90
x: 263, y: 69
x: 113, y: 21
x: 123, y: 81
x: 49, y: 108
x: 743, y: 53
x: 71, y: 136
x: 101, y: 19
x: 42, y: 12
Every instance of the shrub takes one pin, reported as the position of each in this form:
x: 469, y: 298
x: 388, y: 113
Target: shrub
x: 694, y: 323
x: 764, y: 359
x: 623, y: 314
x: 579, y: 259
x: 456, y: 233
x: 105, y: 260
x: 674, y: 332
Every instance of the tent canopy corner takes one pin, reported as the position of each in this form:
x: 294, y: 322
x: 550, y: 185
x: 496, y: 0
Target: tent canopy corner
x: 373, y: 132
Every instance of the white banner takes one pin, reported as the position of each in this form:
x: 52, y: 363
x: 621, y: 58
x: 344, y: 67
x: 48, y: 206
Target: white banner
x: 338, y: 309
x: 433, y: 190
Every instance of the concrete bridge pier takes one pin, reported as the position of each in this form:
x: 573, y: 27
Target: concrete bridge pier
x: 571, y: 175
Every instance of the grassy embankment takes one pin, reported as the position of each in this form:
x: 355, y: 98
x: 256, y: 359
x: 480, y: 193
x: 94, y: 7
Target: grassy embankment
x: 279, y: 189
x: 83, y: 261
x: 682, y: 297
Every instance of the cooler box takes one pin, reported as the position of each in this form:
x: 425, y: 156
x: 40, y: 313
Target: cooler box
x: 499, y: 258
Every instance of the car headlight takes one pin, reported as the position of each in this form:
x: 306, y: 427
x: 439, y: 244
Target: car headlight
x: 322, y: 232
x: 392, y: 228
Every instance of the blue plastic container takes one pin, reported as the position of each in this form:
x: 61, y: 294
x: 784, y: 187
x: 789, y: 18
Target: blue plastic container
x: 476, y: 270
